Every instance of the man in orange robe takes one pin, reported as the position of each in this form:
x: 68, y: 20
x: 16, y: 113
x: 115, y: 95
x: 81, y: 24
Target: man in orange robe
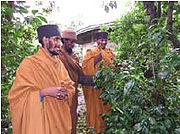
x: 94, y: 103
x: 71, y: 63
x: 42, y: 92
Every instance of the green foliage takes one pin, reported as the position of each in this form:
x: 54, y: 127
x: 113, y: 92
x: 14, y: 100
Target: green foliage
x: 17, y: 41
x: 144, y: 95
x: 90, y: 130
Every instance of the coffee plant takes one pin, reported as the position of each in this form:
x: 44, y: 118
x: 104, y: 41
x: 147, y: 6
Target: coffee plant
x: 144, y: 95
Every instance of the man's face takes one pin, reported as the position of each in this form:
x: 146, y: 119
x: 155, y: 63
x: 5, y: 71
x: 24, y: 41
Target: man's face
x: 102, y: 43
x: 68, y: 45
x: 53, y: 45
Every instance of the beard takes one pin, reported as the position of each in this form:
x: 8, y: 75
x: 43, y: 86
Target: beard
x: 55, y: 50
x: 68, y: 50
x: 103, y: 46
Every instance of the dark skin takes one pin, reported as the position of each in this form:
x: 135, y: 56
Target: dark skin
x: 68, y: 45
x: 102, y: 43
x: 52, y: 46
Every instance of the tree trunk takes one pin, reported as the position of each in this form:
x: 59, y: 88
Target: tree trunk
x: 159, y: 9
x: 169, y: 27
x: 169, y: 15
x: 151, y: 10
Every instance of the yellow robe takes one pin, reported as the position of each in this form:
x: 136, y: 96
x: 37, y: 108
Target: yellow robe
x: 94, y: 103
x: 29, y: 115
x: 71, y: 63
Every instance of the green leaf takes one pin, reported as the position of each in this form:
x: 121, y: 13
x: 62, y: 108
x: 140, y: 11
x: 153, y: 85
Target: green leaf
x: 152, y: 120
x: 42, y: 18
x: 138, y: 27
x: 144, y: 50
x: 177, y: 131
x: 36, y: 21
x: 138, y: 127
x: 23, y: 10
x: 34, y: 11
x: 128, y: 86
x: 90, y: 130
x: 168, y: 123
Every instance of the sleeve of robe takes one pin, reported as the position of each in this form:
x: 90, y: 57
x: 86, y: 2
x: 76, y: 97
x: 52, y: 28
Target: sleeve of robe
x: 88, y: 63
x: 69, y: 86
x: 23, y: 97
x: 88, y: 60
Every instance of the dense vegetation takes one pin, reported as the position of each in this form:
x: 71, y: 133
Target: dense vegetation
x: 17, y: 41
x: 145, y: 95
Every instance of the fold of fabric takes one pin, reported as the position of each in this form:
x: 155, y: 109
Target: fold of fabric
x: 29, y: 115
x: 94, y: 104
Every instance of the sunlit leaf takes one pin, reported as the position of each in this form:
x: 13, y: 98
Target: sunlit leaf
x: 128, y: 86
x: 42, y: 18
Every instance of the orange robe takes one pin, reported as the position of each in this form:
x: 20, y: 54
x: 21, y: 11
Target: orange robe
x: 94, y: 103
x: 29, y: 115
x: 71, y: 63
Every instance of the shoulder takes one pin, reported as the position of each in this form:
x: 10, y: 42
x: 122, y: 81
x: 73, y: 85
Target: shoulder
x: 95, y: 49
x: 89, y: 51
x: 27, y: 62
x: 27, y: 59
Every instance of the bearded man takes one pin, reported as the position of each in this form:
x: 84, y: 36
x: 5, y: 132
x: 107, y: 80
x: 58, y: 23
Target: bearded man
x: 41, y: 95
x: 71, y: 63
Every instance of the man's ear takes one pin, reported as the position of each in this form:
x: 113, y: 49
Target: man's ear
x: 45, y: 41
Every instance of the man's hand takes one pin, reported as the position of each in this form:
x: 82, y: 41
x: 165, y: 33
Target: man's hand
x: 60, y: 93
x: 97, y: 59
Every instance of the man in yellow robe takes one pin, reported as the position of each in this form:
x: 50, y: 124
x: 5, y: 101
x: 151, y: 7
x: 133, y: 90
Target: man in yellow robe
x: 94, y: 103
x: 71, y: 63
x: 42, y: 92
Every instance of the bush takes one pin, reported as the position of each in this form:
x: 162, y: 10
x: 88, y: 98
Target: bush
x: 17, y: 41
x: 145, y: 94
